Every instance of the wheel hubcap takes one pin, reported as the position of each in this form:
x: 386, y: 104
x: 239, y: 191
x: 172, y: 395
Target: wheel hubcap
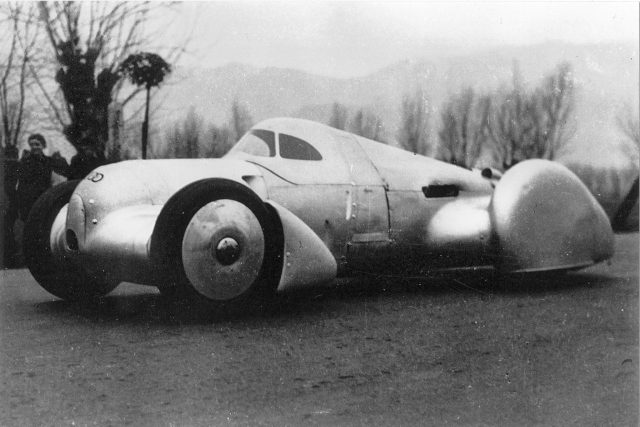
x: 223, y: 250
x: 227, y: 251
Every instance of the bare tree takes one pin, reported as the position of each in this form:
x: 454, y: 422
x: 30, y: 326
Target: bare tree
x: 89, y: 41
x: 339, y: 115
x: 192, y: 130
x: 465, y: 128
x: 188, y: 138
x: 183, y: 138
x: 553, y: 106
x: 218, y: 141
x: 241, y: 119
x: 366, y: 124
x: 415, y: 121
x: 533, y: 124
x: 510, y: 123
x: 18, y: 39
x: 172, y: 140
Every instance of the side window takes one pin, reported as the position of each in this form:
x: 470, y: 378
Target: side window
x: 258, y: 142
x: 297, y: 149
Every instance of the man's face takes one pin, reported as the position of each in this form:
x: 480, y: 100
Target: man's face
x: 36, y: 147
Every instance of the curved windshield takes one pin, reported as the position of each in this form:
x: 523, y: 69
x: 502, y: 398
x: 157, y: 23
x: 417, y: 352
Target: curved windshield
x: 257, y: 142
x: 297, y: 149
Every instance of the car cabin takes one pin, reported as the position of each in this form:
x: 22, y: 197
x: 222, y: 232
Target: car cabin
x: 306, y: 152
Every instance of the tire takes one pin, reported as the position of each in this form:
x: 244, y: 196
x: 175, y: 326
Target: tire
x: 172, y: 233
x: 58, y: 275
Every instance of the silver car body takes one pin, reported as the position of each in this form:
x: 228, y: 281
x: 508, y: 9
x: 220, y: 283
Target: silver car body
x: 347, y: 205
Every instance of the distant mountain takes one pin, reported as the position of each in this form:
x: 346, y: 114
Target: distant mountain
x: 606, y: 75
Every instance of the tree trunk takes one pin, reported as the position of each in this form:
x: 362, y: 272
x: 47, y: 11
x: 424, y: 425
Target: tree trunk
x: 145, y: 126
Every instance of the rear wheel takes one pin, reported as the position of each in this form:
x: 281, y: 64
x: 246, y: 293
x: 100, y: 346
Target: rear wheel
x: 49, y: 263
x: 215, y: 242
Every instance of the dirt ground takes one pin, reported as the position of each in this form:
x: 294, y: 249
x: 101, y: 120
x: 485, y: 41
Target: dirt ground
x: 463, y: 350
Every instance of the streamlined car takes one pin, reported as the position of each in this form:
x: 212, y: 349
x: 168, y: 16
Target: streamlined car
x: 296, y: 203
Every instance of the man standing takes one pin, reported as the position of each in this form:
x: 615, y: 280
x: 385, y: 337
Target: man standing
x: 34, y: 173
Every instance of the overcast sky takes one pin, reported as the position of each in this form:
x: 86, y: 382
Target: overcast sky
x: 354, y: 38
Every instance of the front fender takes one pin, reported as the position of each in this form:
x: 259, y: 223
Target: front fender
x: 111, y: 214
x: 306, y: 260
x: 146, y: 183
x: 119, y: 244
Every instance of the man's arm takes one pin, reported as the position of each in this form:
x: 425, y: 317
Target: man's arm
x: 59, y: 164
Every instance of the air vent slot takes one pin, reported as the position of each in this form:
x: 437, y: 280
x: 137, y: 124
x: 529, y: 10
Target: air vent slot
x: 440, y: 190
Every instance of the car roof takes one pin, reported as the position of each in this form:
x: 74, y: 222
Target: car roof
x: 321, y: 137
x: 365, y: 161
x: 341, y: 154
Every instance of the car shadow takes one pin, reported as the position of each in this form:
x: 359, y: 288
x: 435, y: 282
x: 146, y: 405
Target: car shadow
x: 474, y: 283
x: 152, y: 308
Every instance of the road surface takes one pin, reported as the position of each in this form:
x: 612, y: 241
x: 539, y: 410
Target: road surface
x: 463, y: 350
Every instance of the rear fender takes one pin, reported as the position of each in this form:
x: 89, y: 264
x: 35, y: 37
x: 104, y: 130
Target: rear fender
x: 544, y: 218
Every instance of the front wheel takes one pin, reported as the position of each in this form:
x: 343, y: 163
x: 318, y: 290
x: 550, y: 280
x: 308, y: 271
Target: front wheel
x: 216, y: 242
x: 49, y: 263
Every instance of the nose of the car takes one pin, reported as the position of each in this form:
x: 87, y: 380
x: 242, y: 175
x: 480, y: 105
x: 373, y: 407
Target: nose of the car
x: 75, y: 222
